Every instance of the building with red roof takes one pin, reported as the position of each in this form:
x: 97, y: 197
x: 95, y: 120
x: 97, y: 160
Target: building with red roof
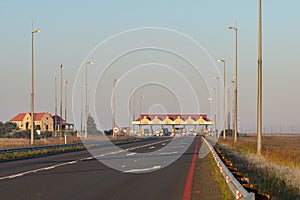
x: 43, y: 121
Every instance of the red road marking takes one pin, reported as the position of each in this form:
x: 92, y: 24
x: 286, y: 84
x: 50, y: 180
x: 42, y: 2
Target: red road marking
x: 189, y: 180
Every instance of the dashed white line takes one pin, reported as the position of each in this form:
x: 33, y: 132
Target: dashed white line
x: 130, y: 154
x: 168, y: 153
x: 142, y: 170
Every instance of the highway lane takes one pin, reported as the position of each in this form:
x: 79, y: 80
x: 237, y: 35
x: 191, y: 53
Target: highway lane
x: 23, y: 165
x: 90, y: 179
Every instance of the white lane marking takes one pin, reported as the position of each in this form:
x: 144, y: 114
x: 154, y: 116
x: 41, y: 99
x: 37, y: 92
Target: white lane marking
x: 142, y: 170
x: 75, y: 161
x: 176, y: 147
x: 130, y: 154
x: 37, y: 170
x: 168, y: 153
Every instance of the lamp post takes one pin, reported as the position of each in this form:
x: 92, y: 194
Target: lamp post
x: 114, y: 105
x: 215, y: 109
x: 131, y: 106
x: 228, y: 107
x: 218, y: 79
x: 60, y: 102
x: 259, y: 91
x: 86, y: 99
x: 211, y: 102
x: 66, y: 83
x: 224, y: 127
x: 55, y: 106
x: 235, y: 81
x: 82, y: 108
x: 32, y: 85
x: 141, y: 97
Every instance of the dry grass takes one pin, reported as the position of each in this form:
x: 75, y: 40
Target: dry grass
x: 281, y: 150
x: 20, y: 142
x: 277, y: 171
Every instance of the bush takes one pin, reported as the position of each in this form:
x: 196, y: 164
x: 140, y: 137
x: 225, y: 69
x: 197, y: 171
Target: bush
x: 108, y: 132
x: 7, y: 127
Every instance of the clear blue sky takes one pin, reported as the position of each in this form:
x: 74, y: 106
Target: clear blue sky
x: 70, y: 29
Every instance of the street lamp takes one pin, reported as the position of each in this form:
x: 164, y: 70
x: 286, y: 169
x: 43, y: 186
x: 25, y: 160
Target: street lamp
x: 32, y: 84
x: 114, y: 105
x: 55, y: 106
x: 66, y: 83
x: 86, y: 98
x: 224, y: 128
x: 235, y: 81
x: 131, y: 109
x: 82, y: 109
x: 215, y: 104
x: 211, y: 102
x: 218, y: 79
x: 228, y: 107
x: 259, y: 91
x: 60, y: 102
x: 141, y: 97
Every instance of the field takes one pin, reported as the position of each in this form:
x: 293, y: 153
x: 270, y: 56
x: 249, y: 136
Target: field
x: 281, y: 150
x: 277, y: 171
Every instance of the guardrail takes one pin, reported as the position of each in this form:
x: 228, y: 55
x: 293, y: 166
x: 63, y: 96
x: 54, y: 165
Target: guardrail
x: 35, y: 148
x: 234, y: 185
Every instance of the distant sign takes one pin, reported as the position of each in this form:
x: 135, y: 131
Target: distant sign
x: 116, y: 129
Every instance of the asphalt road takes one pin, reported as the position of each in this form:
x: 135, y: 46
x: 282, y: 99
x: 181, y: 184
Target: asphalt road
x: 77, y: 175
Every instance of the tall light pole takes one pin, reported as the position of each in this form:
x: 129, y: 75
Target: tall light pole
x: 235, y: 82
x: 259, y: 91
x: 224, y: 127
x: 60, y: 102
x: 114, y: 106
x: 55, y: 106
x: 66, y: 100
x: 141, y: 97
x: 82, y: 108
x: 215, y: 109
x: 211, y: 107
x: 86, y: 99
x: 232, y: 103
x: 228, y: 108
x: 131, y: 106
x: 32, y: 85
x: 218, y: 79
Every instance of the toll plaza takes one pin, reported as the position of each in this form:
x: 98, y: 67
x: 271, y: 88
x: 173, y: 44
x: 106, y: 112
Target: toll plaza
x: 176, y: 123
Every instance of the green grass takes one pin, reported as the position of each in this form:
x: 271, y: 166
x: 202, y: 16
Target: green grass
x: 225, y: 191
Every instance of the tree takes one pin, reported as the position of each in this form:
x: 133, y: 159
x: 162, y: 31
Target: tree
x: 7, y: 127
x: 91, y: 126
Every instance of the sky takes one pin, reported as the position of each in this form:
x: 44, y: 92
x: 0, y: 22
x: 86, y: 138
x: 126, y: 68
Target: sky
x: 73, y: 32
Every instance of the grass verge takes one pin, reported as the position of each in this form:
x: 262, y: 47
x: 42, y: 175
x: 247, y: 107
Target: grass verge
x: 280, y: 181
x: 225, y: 191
